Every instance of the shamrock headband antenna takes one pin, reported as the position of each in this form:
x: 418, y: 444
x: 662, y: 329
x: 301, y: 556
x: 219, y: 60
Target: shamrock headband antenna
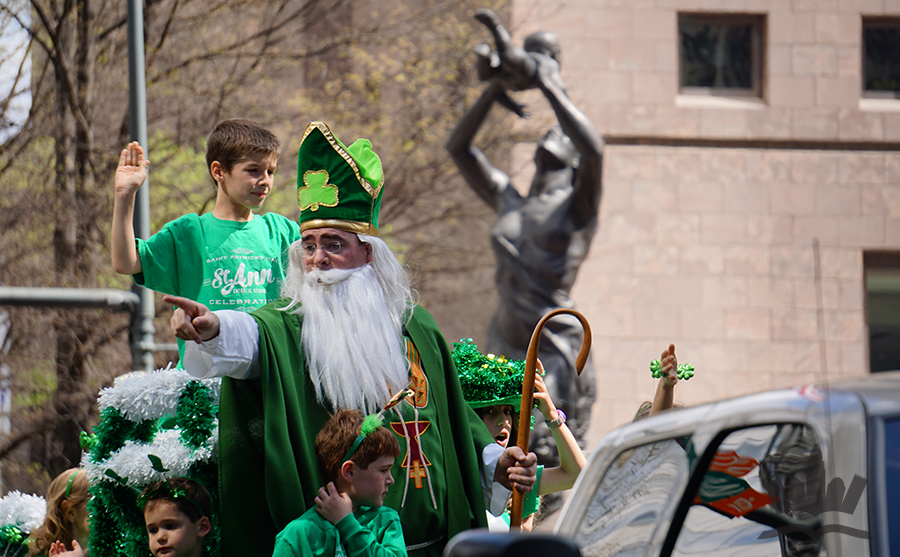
x: 373, y: 421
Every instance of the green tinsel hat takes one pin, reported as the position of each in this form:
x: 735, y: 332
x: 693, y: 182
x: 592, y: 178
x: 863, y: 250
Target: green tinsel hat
x: 338, y: 186
x: 372, y: 422
x: 487, y: 380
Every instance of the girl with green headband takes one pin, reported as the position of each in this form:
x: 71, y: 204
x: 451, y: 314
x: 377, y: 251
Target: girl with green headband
x: 65, y: 526
x: 492, y: 385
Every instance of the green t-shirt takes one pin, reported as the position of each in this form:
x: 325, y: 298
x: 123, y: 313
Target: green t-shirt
x: 367, y: 532
x: 220, y: 263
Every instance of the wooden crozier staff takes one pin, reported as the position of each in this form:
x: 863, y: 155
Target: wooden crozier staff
x: 531, y: 357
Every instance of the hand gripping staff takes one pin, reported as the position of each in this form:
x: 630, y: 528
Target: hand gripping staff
x: 531, y: 357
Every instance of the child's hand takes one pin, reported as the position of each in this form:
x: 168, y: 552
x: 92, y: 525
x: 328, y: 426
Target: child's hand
x: 333, y: 505
x: 542, y: 396
x: 669, y: 363
x: 132, y: 169
x: 58, y: 549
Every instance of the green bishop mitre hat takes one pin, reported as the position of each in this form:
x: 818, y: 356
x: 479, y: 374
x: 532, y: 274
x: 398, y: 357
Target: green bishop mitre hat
x: 338, y: 186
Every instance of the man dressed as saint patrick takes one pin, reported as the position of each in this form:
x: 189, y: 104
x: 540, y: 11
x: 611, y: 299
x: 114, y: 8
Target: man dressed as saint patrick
x: 345, y: 334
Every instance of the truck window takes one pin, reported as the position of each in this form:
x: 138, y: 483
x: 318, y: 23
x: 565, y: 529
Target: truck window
x: 892, y: 478
x: 629, y: 500
x: 761, y: 495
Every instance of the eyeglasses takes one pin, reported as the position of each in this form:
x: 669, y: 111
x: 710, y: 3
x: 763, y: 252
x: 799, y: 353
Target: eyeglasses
x: 331, y: 247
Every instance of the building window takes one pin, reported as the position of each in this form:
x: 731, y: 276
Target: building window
x: 881, y: 57
x: 883, y: 309
x: 721, y: 54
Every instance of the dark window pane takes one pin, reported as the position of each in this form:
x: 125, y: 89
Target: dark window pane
x: 882, y: 283
x: 717, y: 55
x: 881, y: 45
x: 892, y: 477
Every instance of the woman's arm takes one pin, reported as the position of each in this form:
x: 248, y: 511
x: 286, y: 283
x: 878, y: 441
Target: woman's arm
x: 664, y: 398
x: 571, y: 457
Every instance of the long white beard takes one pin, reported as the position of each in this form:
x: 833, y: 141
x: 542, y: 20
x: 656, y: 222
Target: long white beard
x: 352, y: 337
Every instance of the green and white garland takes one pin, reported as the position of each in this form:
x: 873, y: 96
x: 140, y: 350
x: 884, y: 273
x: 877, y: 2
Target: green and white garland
x: 152, y: 426
x: 20, y: 515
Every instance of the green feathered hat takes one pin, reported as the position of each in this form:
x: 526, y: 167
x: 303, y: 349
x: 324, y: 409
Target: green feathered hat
x: 487, y: 380
x: 338, y: 186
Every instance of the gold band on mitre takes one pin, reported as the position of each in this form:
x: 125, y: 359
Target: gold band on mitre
x: 346, y: 225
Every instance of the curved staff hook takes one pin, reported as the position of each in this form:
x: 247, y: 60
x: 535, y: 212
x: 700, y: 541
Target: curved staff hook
x: 515, y: 519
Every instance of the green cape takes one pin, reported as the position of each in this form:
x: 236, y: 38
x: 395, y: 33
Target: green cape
x: 261, y: 491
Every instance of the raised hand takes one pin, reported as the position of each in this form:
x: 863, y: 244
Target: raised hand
x: 132, y: 169
x: 669, y: 363
x: 542, y: 396
x: 58, y: 549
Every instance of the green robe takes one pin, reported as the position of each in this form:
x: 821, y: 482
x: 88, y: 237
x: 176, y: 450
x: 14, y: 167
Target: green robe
x: 268, y: 471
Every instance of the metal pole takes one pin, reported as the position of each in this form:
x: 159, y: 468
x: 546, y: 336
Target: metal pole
x: 101, y: 298
x: 84, y: 298
x: 142, y: 325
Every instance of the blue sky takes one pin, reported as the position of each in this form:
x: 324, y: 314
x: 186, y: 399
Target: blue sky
x: 13, y: 51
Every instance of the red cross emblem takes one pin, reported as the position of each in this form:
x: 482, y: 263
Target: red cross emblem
x: 414, y: 459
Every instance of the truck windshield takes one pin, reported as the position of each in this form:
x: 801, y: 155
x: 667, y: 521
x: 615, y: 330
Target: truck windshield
x: 892, y: 476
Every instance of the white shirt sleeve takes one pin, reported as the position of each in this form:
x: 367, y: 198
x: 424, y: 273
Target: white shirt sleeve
x: 495, y: 495
x: 233, y: 353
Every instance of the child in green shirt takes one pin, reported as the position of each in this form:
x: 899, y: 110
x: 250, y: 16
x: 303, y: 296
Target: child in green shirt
x: 227, y: 259
x: 355, y: 456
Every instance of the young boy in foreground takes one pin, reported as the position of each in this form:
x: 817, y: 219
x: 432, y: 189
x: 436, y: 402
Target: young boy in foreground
x: 176, y: 512
x: 355, y: 456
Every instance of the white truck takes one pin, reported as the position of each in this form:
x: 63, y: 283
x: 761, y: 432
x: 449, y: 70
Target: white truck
x: 812, y: 471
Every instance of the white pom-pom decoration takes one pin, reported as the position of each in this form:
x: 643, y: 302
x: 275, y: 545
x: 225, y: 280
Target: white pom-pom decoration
x: 22, y: 510
x: 140, y: 396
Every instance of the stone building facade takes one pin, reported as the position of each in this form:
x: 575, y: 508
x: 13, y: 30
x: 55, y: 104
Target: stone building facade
x: 739, y: 224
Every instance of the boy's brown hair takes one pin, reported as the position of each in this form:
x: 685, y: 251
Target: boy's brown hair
x: 235, y: 139
x: 190, y: 497
x: 338, y: 435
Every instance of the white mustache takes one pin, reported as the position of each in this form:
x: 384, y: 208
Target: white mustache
x: 327, y: 277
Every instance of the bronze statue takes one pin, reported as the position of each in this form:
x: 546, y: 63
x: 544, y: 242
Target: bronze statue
x: 541, y: 239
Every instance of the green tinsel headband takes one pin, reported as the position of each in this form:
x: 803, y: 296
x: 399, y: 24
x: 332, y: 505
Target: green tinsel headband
x: 167, y: 491
x: 487, y: 380
x: 370, y: 424
x: 373, y: 421
x: 69, y: 485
